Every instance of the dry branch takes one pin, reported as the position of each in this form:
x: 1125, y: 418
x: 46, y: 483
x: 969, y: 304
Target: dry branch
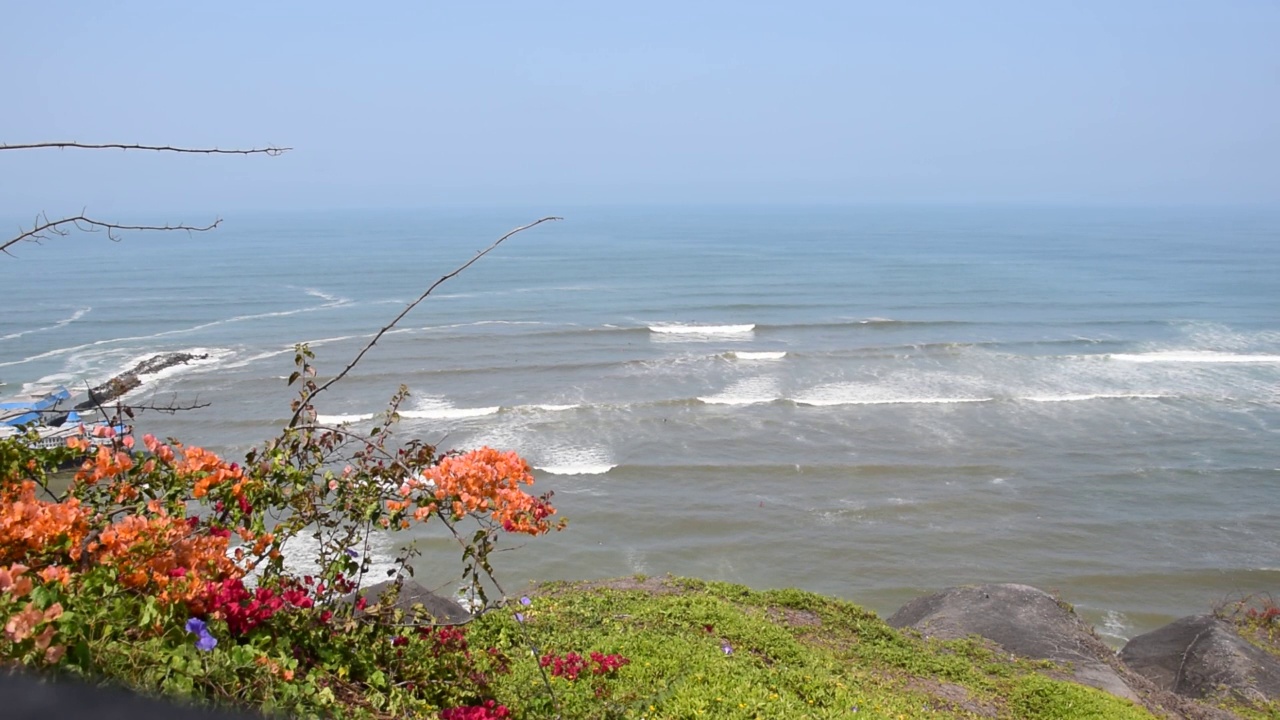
x: 270, y: 150
x: 44, y: 228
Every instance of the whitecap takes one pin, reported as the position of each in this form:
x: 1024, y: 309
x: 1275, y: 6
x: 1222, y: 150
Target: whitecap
x: 681, y: 329
x: 762, y: 355
x: 574, y: 461
x: 343, y: 419
x: 450, y: 413
x: 831, y: 401
x: 548, y: 408
x: 1193, y: 356
x: 584, y: 469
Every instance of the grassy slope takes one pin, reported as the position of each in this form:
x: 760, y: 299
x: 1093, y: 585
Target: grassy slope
x: 792, y: 654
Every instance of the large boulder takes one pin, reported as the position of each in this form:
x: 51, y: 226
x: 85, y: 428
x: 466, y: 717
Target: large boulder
x: 1202, y: 656
x: 131, y: 379
x: 1023, y: 621
x: 443, y: 610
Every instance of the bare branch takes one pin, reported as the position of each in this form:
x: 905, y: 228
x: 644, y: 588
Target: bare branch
x: 303, y: 406
x: 270, y: 150
x: 44, y: 228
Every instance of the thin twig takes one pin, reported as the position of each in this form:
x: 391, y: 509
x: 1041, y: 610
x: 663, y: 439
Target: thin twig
x: 270, y: 150
x: 43, y: 229
x: 310, y: 397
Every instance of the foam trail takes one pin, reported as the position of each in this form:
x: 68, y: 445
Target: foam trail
x: 61, y: 323
x: 180, y: 331
x: 742, y: 355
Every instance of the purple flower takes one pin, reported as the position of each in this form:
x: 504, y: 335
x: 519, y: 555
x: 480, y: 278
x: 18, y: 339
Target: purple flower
x: 204, y: 641
x: 726, y: 647
x: 352, y: 553
x: 526, y: 601
x: 520, y: 617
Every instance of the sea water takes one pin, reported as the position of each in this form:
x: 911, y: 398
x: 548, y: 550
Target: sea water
x: 871, y: 403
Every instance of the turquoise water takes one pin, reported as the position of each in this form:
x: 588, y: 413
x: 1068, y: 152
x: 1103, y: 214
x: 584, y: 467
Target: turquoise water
x: 871, y: 403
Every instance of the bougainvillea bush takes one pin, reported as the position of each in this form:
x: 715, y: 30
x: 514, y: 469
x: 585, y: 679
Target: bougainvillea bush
x: 161, y: 566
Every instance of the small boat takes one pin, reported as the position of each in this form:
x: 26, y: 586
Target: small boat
x: 52, y: 426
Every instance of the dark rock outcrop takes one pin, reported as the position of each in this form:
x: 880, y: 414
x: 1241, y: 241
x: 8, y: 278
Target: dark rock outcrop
x: 126, y: 381
x: 442, y: 609
x: 1022, y: 620
x: 1201, y: 656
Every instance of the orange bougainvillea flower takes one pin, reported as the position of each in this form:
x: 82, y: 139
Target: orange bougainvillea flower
x: 165, y: 555
x: 105, y: 463
x: 488, y: 481
x: 29, y: 526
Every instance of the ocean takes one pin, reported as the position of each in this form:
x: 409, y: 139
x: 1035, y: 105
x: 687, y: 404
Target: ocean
x: 872, y: 403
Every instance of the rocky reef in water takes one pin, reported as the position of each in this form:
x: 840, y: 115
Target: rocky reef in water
x: 132, y: 378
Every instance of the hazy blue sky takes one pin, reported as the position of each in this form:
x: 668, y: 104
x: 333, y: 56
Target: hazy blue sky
x: 553, y: 104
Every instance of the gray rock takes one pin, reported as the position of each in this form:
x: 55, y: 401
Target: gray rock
x: 1201, y: 656
x: 126, y: 381
x: 1024, y: 621
x: 442, y: 609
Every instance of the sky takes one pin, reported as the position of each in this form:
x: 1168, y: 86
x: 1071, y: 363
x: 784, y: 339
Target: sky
x: 565, y: 103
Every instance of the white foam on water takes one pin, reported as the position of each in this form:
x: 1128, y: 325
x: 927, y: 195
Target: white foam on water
x: 449, y: 413
x: 864, y: 394
x: 481, y: 323
x: 763, y: 355
x: 256, y: 358
x: 548, y: 408
x: 1093, y: 396
x: 215, y: 356
x: 585, y: 469
x: 436, y: 408
x: 61, y: 323
x: 701, y: 330
x: 748, y: 391
x: 1114, y: 624
x: 1193, y: 356
x: 46, y: 384
x: 565, y: 460
x: 302, y: 550
x: 343, y: 419
x: 335, y: 302
x: 636, y: 561
x: 908, y: 386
